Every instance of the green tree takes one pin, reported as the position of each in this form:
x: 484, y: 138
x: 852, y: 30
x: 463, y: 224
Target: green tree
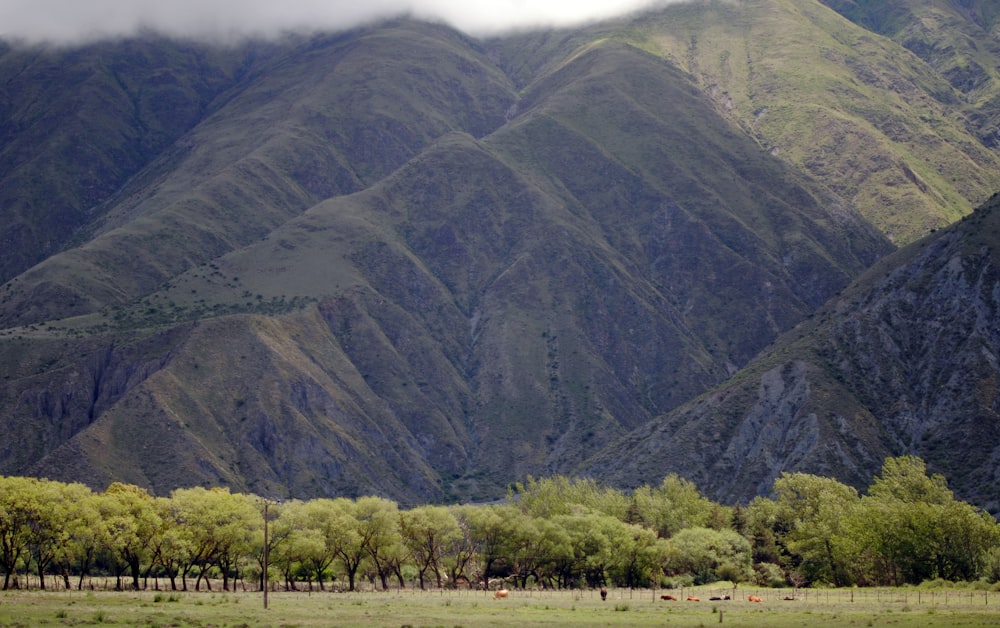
x: 302, y: 526
x: 317, y: 516
x: 560, y: 495
x: 462, y: 549
x: 85, y: 534
x: 279, y: 530
x: 47, y: 524
x: 172, y: 544
x: 427, y: 532
x: 345, y: 539
x: 967, y: 536
x: 710, y: 555
x: 36, y: 522
x: 16, y: 511
x: 554, y: 547
x: 536, y: 546
x: 591, y: 539
x: 132, y: 521
x: 672, y: 506
x: 378, y: 524
x: 910, y: 528
x: 489, y: 528
x: 635, y: 557
x: 765, y: 527
x: 235, y: 523
x: 813, y: 508
x: 904, y: 479
x: 219, y: 527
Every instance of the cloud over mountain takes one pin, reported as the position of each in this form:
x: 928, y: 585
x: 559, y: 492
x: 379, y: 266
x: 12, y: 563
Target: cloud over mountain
x: 68, y: 21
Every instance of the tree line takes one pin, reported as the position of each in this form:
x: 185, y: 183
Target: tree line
x: 552, y: 532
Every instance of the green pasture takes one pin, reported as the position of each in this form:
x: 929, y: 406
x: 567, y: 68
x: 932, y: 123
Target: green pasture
x: 410, y: 607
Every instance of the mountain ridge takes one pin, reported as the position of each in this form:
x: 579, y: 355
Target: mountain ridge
x: 402, y: 261
x: 907, y: 355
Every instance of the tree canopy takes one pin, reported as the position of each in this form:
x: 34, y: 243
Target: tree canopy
x: 558, y: 532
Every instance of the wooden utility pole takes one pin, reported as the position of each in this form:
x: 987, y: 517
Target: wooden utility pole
x: 263, y: 576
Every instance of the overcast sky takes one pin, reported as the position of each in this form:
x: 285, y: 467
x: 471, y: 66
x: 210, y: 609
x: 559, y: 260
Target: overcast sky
x: 73, y: 21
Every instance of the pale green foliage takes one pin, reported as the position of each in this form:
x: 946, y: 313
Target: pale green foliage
x: 85, y: 534
x: 769, y: 575
x: 16, y: 512
x: 427, y: 533
x: 590, y: 550
x: 813, y: 508
x: 674, y: 505
x: 908, y: 528
x: 905, y: 479
x: 173, y: 542
x: 344, y: 537
x: 560, y: 495
x: 220, y: 528
x: 710, y: 555
x: 553, y: 545
x: 378, y: 523
x: 302, y: 546
x: 460, y: 548
x: 488, y: 531
x: 132, y: 523
x: 635, y: 556
x: 39, y: 522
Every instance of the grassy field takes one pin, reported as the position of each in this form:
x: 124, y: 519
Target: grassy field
x: 902, y: 608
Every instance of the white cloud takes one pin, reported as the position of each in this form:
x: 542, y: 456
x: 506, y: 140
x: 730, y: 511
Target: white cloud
x: 72, y: 21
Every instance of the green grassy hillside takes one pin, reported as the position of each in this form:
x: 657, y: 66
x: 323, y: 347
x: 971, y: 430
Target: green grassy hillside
x: 890, y: 132
x: 402, y: 261
x: 75, y: 124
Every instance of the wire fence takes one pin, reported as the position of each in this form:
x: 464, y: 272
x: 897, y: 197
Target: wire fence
x: 908, y: 596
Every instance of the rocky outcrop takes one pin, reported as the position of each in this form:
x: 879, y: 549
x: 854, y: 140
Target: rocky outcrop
x: 905, y: 361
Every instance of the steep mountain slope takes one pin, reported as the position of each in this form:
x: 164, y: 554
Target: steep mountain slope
x: 902, y: 362
x: 491, y: 309
x: 897, y: 136
x: 75, y: 124
x: 317, y: 120
x: 405, y: 262
x: 960, y: 39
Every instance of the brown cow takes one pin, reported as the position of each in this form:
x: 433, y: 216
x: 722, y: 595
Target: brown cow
x: 668, y: 598
x: 501, y: 594
x: 754, y: 598
x: 692, y: 598
x: 604, y: 593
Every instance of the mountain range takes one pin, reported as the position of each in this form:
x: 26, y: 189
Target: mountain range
x: 723, y: 239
